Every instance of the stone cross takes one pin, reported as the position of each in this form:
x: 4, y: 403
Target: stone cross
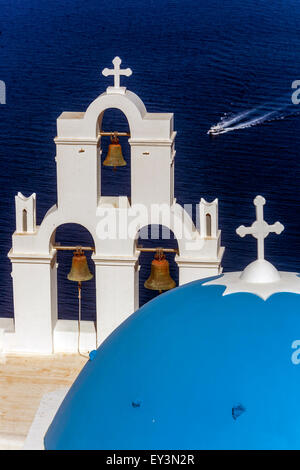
x: 116, y: 72
x: 260, y: 229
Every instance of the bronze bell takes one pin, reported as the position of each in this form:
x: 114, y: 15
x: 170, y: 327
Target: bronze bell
x: 160, y: 278
x: 79, y: 270
x: 114, y: 155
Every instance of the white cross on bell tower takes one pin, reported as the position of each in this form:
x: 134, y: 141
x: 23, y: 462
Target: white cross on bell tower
x: 116, y: 72
x: 260, y: 270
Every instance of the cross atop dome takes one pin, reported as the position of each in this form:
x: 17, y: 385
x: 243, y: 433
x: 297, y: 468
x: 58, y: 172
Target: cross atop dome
x: 260, y: 277
x: 260, y: 271
x: 116, y: 72
x: 260, y: 229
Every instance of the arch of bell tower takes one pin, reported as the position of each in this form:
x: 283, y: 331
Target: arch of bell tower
x: 151, y: 141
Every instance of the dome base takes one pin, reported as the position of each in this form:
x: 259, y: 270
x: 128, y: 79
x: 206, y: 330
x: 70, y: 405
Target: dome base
x: 260, y: 271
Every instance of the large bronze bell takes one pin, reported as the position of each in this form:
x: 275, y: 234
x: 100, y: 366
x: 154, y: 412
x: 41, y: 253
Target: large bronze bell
x: 160, y: 278
x: 114, y: 155
x: 79, y: 269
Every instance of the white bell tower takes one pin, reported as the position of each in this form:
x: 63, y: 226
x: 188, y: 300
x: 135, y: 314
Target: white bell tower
x: 35, y: 327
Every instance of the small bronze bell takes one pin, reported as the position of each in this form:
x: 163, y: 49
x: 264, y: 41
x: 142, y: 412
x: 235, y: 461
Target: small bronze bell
x: 114, y: 155
x: 79, y: 270
x: 160, y: 278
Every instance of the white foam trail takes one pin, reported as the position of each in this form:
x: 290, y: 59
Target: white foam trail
x: 225, y: 122
x: 251, y: 123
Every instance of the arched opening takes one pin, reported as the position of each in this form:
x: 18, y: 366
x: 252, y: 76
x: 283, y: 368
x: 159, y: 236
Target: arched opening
x: 24, y: 220
x: 67, y: 291
x: 153, y: 236
x: 115, y: 182
x: 208, y: 225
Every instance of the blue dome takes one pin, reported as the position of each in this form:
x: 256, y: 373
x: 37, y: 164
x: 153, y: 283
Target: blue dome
x: 192, y: 369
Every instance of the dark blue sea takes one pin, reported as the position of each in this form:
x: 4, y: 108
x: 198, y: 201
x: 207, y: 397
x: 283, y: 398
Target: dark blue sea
x: 227, y: 61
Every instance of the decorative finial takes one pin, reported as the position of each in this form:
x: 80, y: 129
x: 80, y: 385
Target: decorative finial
x: 116, y: 72
x: 260, y: 270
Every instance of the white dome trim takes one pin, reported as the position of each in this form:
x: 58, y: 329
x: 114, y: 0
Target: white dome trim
x: 235, y: 283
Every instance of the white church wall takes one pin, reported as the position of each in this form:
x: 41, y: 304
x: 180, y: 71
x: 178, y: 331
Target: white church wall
x: 77, y: 177
x: 65, y: 337
x: 117, y: 293
x: 151, y: 168
x: 34, y: 311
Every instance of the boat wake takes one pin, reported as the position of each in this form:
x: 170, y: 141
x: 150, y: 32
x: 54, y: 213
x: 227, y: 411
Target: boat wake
x: 255, y: 116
